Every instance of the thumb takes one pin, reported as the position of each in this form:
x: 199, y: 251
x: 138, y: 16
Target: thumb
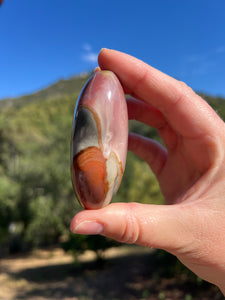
x: 156, y: 226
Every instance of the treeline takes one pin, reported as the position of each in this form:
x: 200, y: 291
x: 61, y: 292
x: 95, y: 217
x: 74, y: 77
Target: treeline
x: 37, y: 201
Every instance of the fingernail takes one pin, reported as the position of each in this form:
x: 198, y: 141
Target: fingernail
x: 103, y: 49
x: 88, y: 227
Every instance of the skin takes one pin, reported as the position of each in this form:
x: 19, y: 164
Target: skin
x: 190, y: 170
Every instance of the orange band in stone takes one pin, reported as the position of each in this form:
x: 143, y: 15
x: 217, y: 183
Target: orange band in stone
x: 91, y: 173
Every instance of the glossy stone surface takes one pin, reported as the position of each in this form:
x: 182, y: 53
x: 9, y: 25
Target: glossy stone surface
x: 99, y: 140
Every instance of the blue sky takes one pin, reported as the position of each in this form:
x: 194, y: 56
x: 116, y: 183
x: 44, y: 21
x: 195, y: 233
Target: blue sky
x: 46, y: 40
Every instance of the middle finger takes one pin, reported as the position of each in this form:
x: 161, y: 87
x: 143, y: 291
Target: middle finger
x: 151, y: 116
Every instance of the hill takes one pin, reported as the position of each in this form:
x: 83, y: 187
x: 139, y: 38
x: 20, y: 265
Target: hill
x: 35, y: 186
x: 37, y: 201
x: 60, y: 88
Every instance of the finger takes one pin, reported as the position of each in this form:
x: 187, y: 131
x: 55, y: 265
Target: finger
x: 148, y: 225
x: 145, y: 113
x: 150, y: 151
x: 126, y: 91
x: 178, y: 229
x: 186, y: 112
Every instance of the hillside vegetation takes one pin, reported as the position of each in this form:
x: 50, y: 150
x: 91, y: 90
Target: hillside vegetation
x: 36, y: 197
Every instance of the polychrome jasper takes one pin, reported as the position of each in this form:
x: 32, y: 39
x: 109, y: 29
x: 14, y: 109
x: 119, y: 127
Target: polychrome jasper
x: 99, y: 140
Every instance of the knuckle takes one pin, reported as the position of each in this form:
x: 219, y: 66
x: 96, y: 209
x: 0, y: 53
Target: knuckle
x: 131, y: 229
x: 186, y: 89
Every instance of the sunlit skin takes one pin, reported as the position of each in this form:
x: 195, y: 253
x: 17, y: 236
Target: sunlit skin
x: 190, y: 170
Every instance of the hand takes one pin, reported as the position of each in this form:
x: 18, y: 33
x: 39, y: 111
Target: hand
x: 190, y: 170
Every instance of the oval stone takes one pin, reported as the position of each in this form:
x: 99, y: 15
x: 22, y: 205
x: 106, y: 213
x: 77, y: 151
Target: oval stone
x: 99, y: 140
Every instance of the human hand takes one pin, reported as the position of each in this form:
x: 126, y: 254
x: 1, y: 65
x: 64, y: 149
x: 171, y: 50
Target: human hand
x: 190, y: 170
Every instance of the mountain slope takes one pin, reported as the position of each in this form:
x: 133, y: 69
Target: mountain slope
x: 35, y: 184
x: 56, y: 90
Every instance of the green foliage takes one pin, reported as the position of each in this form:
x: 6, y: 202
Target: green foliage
x: 77, y: 244
x: 37, y: 201
x: 46, y: 225
x: 35, y: 186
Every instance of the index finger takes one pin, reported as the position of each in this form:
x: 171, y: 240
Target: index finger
x: 187, y: 113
